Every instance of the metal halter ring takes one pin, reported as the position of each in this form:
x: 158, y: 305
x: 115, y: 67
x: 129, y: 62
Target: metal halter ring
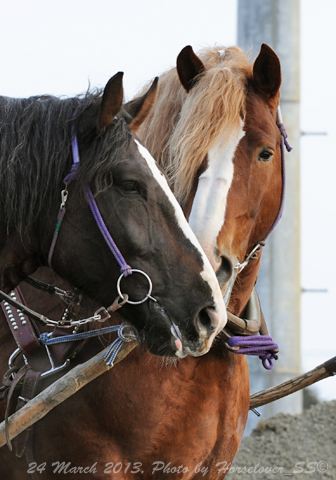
x: 133, y: 270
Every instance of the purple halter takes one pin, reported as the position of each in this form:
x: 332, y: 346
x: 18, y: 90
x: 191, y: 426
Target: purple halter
x: 284, y: 143
x: 262, y: 345
x: 124, y: 267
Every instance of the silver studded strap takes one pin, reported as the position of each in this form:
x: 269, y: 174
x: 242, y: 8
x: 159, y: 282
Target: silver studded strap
x: 20, y: 325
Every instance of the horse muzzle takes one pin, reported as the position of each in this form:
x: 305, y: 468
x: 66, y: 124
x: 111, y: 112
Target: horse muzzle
x: 207, y: 325
x: 165, y: 337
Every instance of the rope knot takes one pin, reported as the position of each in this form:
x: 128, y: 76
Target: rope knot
x: 126, y: 270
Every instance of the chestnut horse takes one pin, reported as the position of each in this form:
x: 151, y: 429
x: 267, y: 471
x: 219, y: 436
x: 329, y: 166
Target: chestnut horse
x: 150, y: 417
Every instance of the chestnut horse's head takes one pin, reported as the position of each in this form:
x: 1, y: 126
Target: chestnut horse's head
x: 221, y: 146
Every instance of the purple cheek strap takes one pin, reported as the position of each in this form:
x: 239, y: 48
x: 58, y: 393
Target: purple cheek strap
x: 124, y: 267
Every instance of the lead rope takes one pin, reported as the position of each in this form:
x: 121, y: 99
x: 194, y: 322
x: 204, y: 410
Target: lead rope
x: 114, y: 348
x: 261, y: 346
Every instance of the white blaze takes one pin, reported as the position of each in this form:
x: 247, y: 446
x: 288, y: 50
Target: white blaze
x: 208, y: 210
x: 207, y: 274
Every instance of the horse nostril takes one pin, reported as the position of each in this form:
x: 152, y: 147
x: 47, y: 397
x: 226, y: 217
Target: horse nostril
x: 203, y: 323
x: 224, y: 272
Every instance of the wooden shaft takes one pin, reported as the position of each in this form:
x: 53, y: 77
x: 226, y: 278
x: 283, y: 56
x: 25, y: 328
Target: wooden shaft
x: 269, y: 395
x: 59, y: 391
x: 83, y: 374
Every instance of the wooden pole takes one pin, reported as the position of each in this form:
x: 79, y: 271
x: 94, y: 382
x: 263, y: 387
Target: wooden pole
x: 269, y: 395
x: 59, y: 391
x: 83, y: 374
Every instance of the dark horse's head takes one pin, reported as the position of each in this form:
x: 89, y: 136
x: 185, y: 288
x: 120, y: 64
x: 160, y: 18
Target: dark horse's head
x: 185, y: 309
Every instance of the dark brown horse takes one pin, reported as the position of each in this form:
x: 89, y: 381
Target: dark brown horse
x: 132, y: 197
x: 151, y: 417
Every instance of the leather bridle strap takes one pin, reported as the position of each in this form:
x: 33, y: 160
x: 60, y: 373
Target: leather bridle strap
x: 68, y: 296
x: 24, y: 309
x: 17, y: 379
x: 28, y: 392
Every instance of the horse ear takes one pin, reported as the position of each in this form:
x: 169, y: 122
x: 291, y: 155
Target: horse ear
x: 188, y: 65
x: 267, y: 72
x: 140, y: 107
x: 112, y: 101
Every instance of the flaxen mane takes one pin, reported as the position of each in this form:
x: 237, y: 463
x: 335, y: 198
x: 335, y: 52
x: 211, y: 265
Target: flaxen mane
x: 183, y: 127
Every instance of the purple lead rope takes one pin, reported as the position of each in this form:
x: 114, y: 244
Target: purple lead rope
x: 256, y: 345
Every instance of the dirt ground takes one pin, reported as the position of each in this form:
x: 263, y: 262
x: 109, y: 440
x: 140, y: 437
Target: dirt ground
x: 290, y: 446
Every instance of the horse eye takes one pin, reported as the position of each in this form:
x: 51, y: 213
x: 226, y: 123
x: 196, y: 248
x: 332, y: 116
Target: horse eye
x: 265, y: 156
x: 130, y: 186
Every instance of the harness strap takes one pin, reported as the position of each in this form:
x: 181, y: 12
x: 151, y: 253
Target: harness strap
x: 253, y: 322
x: 23, y: 443
x: 123, y: 336
x: 25, y: 332
x: 283, y: 143
x: 60, y: 217
x: 29, y: 390
x: 51, y: 289
x: 24, y: 309
x: 14, y: 384
x: 20, y: 325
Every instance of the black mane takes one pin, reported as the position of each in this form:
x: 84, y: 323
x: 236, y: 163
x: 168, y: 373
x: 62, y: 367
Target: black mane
x: 35, y: 152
